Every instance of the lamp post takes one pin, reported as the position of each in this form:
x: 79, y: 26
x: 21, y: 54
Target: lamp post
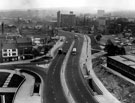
x: 119, y: 28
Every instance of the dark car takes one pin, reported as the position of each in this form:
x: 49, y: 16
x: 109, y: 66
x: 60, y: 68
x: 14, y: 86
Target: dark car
x: 64, y: 52
x: 60, y: 51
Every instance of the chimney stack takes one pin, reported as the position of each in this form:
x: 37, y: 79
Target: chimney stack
x: 2, y: 28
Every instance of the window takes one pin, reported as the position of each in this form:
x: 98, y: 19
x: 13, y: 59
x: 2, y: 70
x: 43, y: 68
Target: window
x: 5, y: 54
x: 13, y: 50
x: 13, y: 54
x: 10, y: 54
x: 4, y: 50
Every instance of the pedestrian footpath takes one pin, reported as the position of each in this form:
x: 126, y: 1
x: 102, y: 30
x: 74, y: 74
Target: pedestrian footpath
x: 25, y: 93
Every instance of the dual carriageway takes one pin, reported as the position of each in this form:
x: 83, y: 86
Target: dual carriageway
x: 74, y: 78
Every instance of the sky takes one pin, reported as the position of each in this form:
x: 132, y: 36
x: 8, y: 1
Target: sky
x: 88, y: 5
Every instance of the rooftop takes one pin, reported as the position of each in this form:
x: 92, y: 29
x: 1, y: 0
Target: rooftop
x: 128, y: 60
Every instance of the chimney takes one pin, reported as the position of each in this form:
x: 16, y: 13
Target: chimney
x: 2, y: 28
x: 58, y: 18
x: 71, y: 12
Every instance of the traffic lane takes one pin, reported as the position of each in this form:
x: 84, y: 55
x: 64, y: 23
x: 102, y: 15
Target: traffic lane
x: 51, y: 84
x: 60, y: 98
x: 54, y: 90
x: 69, y: 35
x: 70, y: 75
x: 81, y: 84
x: 74, y: 79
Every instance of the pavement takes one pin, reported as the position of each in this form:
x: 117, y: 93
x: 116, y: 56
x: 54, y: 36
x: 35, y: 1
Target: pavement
x: 25, y: 92
x: 23, y: 95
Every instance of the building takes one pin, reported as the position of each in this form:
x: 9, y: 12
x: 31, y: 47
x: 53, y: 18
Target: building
x: 131, y: 19
x: 9, y: 51
x: 66, y: 20
x: 101, y: 23
x: 58, y: 18
x: 124, y: 64
x: 24, y: 46
x: 100, y: 13
x: 14, y: 49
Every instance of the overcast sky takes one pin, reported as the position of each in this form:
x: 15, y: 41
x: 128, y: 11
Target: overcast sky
x: 108, y: 5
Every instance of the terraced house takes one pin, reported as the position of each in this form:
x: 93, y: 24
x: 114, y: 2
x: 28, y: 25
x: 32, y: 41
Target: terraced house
x: 15, y: 48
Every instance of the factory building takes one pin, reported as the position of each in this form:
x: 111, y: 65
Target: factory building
x: 124, y: 64
x: 66, y: 20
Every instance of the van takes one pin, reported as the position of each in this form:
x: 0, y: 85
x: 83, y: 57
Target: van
x: 74, y: 51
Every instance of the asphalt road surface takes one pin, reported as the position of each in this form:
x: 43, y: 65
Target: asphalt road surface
x: 54, y: 90
x: 74, y: 77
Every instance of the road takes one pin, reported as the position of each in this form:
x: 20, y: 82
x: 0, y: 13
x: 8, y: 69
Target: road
x: 74, y: 77
x: 54, y: 90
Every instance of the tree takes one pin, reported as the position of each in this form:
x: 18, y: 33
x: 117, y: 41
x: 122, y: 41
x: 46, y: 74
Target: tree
x: 110, y: 48
x: 98, y: 37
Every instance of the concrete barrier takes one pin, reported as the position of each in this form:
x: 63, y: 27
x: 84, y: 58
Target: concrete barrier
x: 56, y: 46
x: 63, y: 79
x: 83, y: 57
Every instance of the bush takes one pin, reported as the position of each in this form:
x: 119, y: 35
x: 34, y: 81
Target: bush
x: 98, y: 37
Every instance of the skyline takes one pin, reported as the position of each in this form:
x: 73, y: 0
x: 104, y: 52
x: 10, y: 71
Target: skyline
x: 78, y: 5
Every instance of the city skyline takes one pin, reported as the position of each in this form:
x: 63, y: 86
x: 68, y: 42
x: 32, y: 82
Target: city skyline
x: 80, y: 5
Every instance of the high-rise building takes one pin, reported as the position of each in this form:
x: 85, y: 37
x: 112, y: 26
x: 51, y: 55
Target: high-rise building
x: 101, y: 23
x: 58, y: 18
x: 66, y: 20
x: 100, y: 13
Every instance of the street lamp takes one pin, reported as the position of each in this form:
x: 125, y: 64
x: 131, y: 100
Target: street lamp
x: 119, y: 28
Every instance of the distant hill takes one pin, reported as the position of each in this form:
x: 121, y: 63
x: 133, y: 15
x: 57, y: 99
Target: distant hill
x: 52, y: 13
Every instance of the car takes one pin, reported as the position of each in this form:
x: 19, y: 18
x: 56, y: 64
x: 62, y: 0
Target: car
x: 64, y: 52
x: 60, y: 51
